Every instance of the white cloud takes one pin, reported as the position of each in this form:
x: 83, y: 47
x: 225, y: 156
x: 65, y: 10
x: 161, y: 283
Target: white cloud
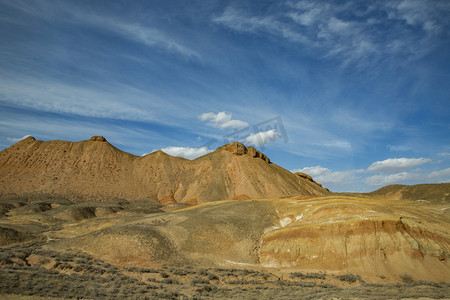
x: 414, y: 177
x: 222, y: 120
x: 306, y: 18
x: 185, y: 152
x: 313, y: 171
x: 382, y: 180
x: 327, y: 177
x: 417, y: 12
x: 338, y: 26
x: 15, y: 140
x: 441, y: 175
x: 444, y: 154
x: 392, y: 165
x: 261, y: 138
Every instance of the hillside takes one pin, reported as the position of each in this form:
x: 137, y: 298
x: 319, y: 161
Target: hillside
x: 436, y: 193
x: 95, y: 170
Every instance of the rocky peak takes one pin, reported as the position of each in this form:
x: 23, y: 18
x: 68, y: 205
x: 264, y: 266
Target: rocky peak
x: 240, y: 149
x: 235, y: 148
x: 97, y: 138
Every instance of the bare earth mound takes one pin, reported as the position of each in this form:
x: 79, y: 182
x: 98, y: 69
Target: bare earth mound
x: 94, y: 170
x: 371, y: 238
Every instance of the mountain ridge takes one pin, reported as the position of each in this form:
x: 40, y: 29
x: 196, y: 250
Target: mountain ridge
x: 96, y: 170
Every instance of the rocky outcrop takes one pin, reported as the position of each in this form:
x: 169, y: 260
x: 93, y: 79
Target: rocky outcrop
x: 240, y: 149
x: 307, y: 177
x: 97, y: 139
x: 304, y: 175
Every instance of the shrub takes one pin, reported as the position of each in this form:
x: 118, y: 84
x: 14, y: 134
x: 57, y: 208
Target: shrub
x: 307, y: 275
x: 170, y: 281
x: 349, y: 278
x: 406, y: 278
x: 198, y: 280
x: 207, y: 289
x: 236, y: 282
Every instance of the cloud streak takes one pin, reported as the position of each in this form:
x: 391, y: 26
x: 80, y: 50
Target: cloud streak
x: 352, y: 31
x: 52, y: 96
x: 132, y: 31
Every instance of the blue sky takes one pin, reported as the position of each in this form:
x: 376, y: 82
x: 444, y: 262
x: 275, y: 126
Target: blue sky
x: 355, y: 93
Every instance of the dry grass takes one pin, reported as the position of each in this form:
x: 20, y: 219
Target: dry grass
x: 68, y: 275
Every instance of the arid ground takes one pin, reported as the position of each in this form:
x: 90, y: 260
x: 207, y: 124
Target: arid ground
x: 86, y: 220
x: 321, y: 247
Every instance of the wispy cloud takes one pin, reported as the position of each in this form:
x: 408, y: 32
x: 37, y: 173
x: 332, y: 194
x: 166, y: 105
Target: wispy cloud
x: 342, y: 145
x: 140, y: 33
x: 398, y: 147
x: 49, y: 126
x: 50, y: 95
x: 352, y: 31
x: 392, y: 165
x: 135, y: 31
x: 222, y: 120
x: 242, y: 22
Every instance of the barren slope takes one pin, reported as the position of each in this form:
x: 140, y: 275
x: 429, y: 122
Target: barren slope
x: 436, y: 193
x: 382, y: 241
x: 96, y: 170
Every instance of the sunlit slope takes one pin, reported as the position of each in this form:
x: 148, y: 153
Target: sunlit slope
x: 367, y: 237
x: 94, y: 170
x: 372, y: 238
x: 211, y: 234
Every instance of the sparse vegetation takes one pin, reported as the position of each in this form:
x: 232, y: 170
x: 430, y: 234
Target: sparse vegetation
x: 406, y: 278
x: 349, y: 278
x: 84, y: 283
x: 308, y: 275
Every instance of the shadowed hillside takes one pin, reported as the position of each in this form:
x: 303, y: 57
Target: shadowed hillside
x: 96, y: 170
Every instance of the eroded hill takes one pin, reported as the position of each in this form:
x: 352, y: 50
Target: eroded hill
x: 94, y: 170
x: 380, y: 241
